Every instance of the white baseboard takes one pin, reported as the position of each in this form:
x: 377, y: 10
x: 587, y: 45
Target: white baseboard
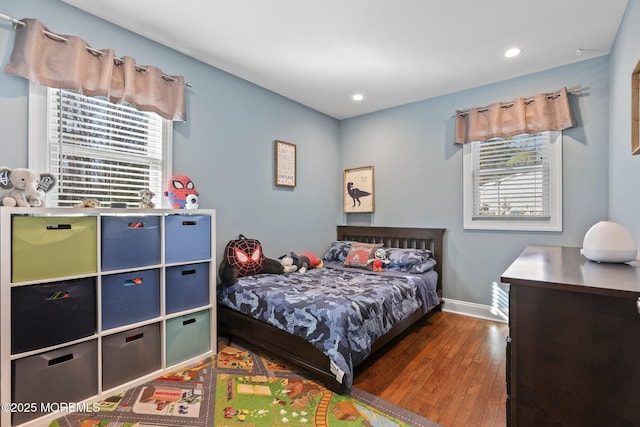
x: 474, y: 310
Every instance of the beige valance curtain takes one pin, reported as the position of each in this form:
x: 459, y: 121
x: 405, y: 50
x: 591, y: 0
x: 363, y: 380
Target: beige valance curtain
x: 68, y: 62
x: 545, y: 111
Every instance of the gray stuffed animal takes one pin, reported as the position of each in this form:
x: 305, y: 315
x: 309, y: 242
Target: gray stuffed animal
x: 27, y: 187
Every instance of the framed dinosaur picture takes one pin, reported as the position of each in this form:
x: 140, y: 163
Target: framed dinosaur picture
x: 358, y: 191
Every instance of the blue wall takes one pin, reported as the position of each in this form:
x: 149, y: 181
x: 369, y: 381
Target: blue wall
x: 227, y: 148
x: 418, y: 171
x: 624, y: 168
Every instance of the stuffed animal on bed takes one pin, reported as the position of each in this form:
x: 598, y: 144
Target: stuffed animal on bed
x: 379, y: 260
x: 294, y: 262
x: 244, y: 257
x: 287, y: 264
x: 314, y: 261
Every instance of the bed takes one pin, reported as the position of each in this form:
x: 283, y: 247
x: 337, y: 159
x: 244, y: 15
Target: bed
x: 331, y: 358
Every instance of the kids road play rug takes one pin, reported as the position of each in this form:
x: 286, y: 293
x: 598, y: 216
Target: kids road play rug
x: 239, y: 388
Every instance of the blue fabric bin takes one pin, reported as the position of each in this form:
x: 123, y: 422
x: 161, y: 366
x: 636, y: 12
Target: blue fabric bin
x: 187, y: 286
x: 130, y: 242
x: 130, y: 297
x: 187, y: 238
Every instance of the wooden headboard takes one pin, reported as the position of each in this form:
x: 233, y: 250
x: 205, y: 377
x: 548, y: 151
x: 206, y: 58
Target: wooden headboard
x: 401, y: 237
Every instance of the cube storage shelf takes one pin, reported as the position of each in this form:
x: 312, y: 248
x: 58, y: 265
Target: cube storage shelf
x: 98, y: 300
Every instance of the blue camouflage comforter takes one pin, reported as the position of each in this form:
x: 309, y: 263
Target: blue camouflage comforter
x: 340, y: 310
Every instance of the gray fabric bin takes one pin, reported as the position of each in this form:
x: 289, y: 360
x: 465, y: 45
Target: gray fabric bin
x: 130, y: 354
x: 67, y: 374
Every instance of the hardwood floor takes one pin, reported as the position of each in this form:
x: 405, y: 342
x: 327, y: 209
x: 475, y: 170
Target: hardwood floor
x: 448, y: 368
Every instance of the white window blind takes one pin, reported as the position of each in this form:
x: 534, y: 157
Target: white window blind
x: 514, y: 183
x: 102, y: 150
x: 511, y: 177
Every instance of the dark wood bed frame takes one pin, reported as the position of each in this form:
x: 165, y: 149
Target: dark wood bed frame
x: 237, y: 326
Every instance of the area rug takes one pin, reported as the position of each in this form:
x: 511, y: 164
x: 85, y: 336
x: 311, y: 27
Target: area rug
x: 239, y: 387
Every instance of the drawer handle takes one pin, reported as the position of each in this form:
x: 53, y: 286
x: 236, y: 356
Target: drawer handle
x: 188, y: 272
x: 61, y: 359
x: 58, y: 226
x: 136, y: 224
x: 188, y: 322
x: 134, y: 337
x: 189, y: 222
x: 133, y: 282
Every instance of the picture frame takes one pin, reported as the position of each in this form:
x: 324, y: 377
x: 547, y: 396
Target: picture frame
x: 358, y: 190
x: 635, y: 110
x: 285, y: 170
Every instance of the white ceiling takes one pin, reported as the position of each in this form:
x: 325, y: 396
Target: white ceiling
x: 393, y: 52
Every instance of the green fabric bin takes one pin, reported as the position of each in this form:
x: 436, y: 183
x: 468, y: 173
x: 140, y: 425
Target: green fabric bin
x: 48, y: 247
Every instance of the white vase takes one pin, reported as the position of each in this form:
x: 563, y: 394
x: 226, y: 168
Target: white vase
x: 608, y: 241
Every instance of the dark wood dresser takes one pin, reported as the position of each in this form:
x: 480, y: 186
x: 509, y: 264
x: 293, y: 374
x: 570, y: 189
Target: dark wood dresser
x: 573, y: 356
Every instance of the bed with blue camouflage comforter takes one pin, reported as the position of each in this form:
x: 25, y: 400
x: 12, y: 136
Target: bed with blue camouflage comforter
x: 341, y: 312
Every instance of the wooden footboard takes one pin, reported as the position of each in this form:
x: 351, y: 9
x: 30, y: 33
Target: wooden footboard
x: 235, y: 325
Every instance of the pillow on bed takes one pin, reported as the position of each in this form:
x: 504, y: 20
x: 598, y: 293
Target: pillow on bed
x: 359, y: 255
x: 411, y: 260
x: 338, y: 251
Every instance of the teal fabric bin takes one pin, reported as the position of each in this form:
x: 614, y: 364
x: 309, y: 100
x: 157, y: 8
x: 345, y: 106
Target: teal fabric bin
x: 188, y: 336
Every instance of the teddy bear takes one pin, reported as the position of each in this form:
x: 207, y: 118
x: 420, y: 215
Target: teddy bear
x: 88, y: 203
x: 27, y: 187
x: 145, y: 199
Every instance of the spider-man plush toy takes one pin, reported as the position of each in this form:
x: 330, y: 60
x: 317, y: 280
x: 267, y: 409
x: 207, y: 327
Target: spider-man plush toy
x: 244, y: 257
x: 178, y: 188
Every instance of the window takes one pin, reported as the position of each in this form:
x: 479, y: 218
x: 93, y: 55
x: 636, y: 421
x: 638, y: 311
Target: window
x: 514, y: 183
x: 97, y: 149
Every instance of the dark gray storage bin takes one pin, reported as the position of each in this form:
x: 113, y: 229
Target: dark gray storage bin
x: 68, y: 374
x: 187, y: 286
x: 130, y: 297
x: 130, y: 354
x: 130, y: 241
x: 187, y: 238
x: 51, y: 314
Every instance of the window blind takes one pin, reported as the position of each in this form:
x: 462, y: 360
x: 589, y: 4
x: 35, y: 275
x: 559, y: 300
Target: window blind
x: 102, y: 150
x: 511, y: 177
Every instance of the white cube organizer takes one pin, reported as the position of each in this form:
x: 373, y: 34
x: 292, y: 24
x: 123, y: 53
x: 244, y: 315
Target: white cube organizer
x: 95, y: 299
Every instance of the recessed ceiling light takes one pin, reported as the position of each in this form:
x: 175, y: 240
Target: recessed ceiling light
x: 514, y: 51
x: 358, y: 97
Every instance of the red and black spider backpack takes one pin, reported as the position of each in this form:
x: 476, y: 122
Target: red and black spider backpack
x: 244, y: 257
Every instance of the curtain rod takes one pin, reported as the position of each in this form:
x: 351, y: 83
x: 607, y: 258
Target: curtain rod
x: 527, y: 100
x: 58, y: 37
